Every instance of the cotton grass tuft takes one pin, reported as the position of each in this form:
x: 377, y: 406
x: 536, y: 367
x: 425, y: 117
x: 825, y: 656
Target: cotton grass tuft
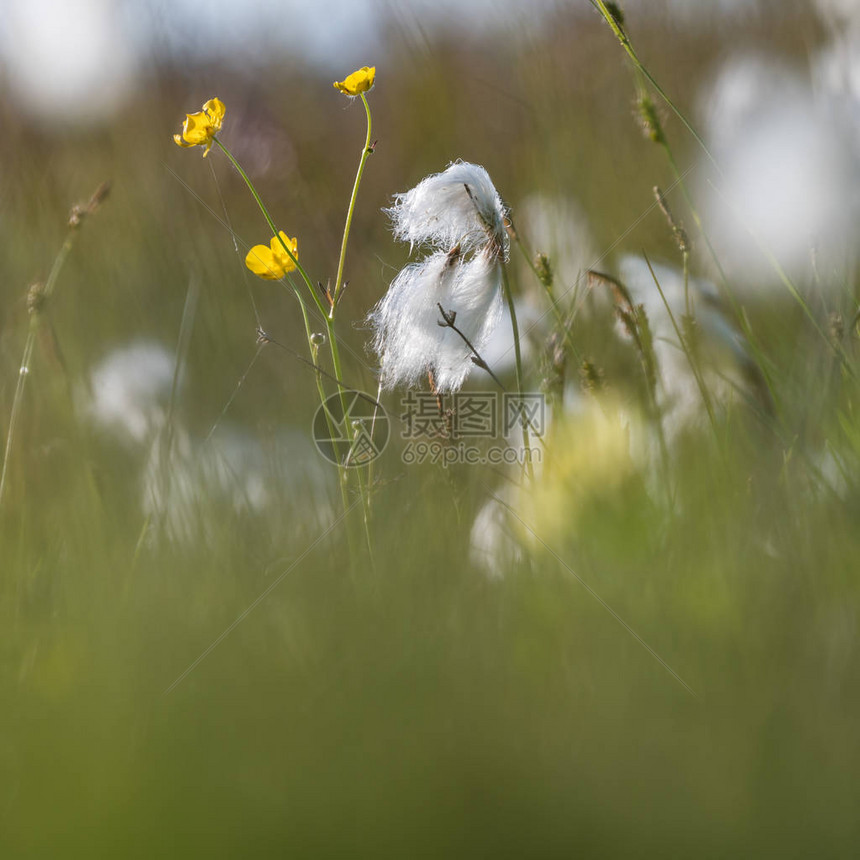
x: 459, y: 214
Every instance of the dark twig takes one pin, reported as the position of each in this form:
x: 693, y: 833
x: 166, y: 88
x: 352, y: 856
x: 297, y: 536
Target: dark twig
x: 448, y: 322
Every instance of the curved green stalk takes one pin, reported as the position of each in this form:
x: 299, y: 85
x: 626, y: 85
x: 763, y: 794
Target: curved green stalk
x: 275, y: 232
x: 519, y: 368
x: 24, y: 368
x: 334, y: 299
x: 338, y: 282
x: 556, y: 308
x: 341, y: 471
x: 694, y: 367
x: 623, y: 39
x: 327, y: 314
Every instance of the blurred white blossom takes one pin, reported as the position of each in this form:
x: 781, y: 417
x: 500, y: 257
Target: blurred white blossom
x: 722, y: 353
x: 789, y: 180
x: 186, y: 483
x: 129, y: 390
x: 68, y: 62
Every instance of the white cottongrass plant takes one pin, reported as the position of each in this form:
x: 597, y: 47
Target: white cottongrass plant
x: 458, y: 206
x: 460, y: 217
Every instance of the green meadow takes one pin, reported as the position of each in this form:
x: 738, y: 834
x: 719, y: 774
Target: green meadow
x: 215, y: 643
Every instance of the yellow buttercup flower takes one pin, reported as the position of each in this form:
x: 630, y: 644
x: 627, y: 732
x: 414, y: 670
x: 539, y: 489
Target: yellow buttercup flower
x: 199, y: 129
x: 358, y: 82
x: 274, y: 262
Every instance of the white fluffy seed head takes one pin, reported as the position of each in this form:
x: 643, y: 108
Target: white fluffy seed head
x: 408, y: 338
x: 459, y: 205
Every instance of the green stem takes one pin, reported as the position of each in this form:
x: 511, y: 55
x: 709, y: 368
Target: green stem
x: 328, y: 317
x: 335, y: 297
x: 338, y: 283
x: 314, y: 351
x: 365, y: 495
x: 529, y: 468
x: 26, y: 358
x: 621, y: 35
x: 275, y: 232
x: 700, y: 381
x: 688, y: 310
x: 556, y: 308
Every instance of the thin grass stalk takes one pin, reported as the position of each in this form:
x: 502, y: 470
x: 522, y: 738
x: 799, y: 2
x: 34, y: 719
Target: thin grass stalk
x: 183, y: 342
x: 524, y: 424
x: 556, y: 308
x: 706, y: 397
x: 621, y: 35
x: 27, y: 356
x: 660, y: 138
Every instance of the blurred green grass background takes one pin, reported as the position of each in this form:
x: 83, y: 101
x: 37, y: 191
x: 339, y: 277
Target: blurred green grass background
x: 415, y: 707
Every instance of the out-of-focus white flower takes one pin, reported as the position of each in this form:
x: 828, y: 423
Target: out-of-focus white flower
x: 840, y: 11
x: 460, y: 216
x: 789, y: 175
x: 495, y: 541
x: 130, y: 389
x: 186, y: 483
x: 558, y: 227
x: 836, y: 65
x: 458, y: 206
x: 722, y: 351
x: 55, y: 54
x: 188, y: 486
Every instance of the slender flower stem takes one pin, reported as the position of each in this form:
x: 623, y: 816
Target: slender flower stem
x: 332, y: 339
x: 338, y: 283
x: 314, y: 352
x: 314, y: 349
x: 519, y: 368
x: 342, y: 473
x: 364, y: 489
x: 327, y: 314
x: 271, y: 224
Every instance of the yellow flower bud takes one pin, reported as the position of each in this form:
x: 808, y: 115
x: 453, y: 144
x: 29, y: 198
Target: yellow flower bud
x: 358, y: 82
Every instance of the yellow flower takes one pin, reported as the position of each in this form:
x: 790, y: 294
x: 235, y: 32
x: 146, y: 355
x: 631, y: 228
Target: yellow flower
x: 199, y: 129
x: 358, y: 82
x: 274, y: 262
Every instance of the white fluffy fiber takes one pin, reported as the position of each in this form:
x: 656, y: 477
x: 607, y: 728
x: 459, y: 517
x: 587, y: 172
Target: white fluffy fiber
x: 440, y: 212
x: 457, y: 213
x: 409, y: 340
